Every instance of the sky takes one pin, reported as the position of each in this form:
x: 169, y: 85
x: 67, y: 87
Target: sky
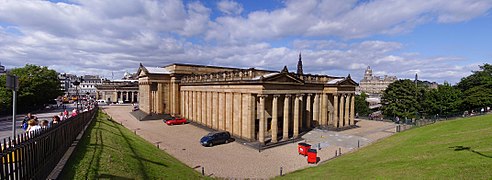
x: 440, y: 40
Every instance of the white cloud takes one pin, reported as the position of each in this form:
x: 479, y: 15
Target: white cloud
x: 100, y: 37
x: 230, y: 7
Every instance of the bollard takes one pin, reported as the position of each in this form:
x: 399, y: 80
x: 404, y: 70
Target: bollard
x: 319, y: 146
x: 203, y: 171
x: 158, y: 146
x: 281, y: 171
x: 340, y: 151
x: 336, y: 154
x: 358, y: 143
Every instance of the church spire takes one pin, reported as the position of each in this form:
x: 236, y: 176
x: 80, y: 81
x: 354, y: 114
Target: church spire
x: 299, y: 65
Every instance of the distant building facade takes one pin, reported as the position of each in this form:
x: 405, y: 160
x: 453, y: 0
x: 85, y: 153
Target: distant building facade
x: 124, y: 90
x: 255, y: 105
x: 2, y: 69
x: 374, y: 85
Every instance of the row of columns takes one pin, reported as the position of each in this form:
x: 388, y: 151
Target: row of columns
x: 130, y: 96
x: 221, y: 110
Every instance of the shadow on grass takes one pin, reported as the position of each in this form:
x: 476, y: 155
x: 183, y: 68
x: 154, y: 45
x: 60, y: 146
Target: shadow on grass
x: 141, y: 167
x: 109, y: 176
x: 463, y: 148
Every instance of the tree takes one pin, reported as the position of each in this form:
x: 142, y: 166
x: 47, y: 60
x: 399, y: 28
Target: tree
x: 445, y: 100
x: 361, y: 106
x: 477, y: 88
x: 401, y: 98
x: 37, y: 85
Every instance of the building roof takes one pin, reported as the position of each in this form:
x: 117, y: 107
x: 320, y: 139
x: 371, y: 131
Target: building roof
x: 265, y: 76
x: 335, y: 81
x: 157, y: 70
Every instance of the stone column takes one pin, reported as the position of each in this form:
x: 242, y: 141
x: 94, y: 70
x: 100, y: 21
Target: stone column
x: 204, y: 109
x: 335, y: 110
x: 199, y: 107
x: 228, y: 117
x: 308, y: 111
x: 209, y: 109
x: 274, y: 118
x: 261, y: 130
x: 352, y: 109
x: 342, y: 110
x: 316, y: 109
x: 296, y: 115
x: 128, y: 96
x: 194, y: 110
x: 215, y: 112
x: 324, y: 109
x: 285, y: 135
x: 221, y: 110
x: 347, y: 106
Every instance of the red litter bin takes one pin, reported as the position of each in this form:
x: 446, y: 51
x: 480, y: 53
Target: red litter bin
x: 312, y: 156
x: 303, y: 148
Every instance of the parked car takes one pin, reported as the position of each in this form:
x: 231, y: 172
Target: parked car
x: 172, y: 120
x: 214, y: 138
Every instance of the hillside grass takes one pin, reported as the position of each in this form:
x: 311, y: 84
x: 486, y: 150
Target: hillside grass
x: 110, y: 151
x: 456, y: 149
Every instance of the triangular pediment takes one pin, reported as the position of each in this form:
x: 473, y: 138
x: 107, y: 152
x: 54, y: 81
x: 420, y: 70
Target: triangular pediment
x: 348, y: 82
x: 142, y: 72
x: 283, y: 78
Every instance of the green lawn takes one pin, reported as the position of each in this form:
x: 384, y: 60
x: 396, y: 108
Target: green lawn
x: 457, y: 149
x: 110, y: 151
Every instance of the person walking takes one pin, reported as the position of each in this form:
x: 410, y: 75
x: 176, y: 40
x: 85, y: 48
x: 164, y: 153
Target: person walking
x: 28, y: 117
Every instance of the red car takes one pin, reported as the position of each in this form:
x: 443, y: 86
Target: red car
x: 175, y: 120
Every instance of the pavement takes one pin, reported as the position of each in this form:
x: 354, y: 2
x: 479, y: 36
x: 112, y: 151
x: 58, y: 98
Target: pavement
x: 238, y: 161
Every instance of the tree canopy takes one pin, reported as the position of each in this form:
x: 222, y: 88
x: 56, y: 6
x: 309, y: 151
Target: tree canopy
x: 37, y: 85
x: 401, y: 98
x: 477, y: 88
x: 361, y: 106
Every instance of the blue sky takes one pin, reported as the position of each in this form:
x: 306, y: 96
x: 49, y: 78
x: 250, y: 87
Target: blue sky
x: 440, y: 40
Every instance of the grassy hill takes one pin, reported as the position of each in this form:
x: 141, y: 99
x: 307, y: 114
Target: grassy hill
x: 457, y: 149
x: 110, y: 151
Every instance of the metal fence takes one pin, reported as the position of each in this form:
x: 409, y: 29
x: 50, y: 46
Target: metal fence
x: 33, y: 155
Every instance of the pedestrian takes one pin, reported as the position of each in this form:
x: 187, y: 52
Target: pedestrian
x: 397, y: 120
x: 74, y: 113
x: 55, y: 120
x: 28, y: 117
x: 61, y: 117
x: 65, y: 113
x: 44, y: 124
x: 33, y: 126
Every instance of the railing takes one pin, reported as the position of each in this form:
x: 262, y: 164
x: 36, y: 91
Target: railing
x: 33, y: 155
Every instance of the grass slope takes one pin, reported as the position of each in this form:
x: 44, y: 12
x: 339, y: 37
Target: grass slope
x: 110, y: 151
x: 457, y: 149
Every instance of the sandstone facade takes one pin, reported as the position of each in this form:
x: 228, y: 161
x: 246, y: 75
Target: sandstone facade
x: 256, y: 105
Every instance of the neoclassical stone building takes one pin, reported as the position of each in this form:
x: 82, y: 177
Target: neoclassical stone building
x: 252, y: 104
x: 118, y: 91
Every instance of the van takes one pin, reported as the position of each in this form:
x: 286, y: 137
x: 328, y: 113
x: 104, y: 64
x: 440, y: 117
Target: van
x: 102, y: 102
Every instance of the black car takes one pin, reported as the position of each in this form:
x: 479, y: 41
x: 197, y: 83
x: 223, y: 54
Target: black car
x: 214, y: 138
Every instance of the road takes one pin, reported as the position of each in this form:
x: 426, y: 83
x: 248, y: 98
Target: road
x: 6, y: 122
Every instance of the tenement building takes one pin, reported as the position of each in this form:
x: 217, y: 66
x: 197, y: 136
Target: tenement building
x: 374, y: 85
x: 252, y: 104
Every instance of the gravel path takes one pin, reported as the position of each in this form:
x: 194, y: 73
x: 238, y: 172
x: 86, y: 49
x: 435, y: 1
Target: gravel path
x: 235, y: 160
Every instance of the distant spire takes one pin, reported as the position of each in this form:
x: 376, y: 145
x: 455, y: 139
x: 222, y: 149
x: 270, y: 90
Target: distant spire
x: 299, y: 65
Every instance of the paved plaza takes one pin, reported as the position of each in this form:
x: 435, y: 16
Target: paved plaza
x: 235, y: 160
